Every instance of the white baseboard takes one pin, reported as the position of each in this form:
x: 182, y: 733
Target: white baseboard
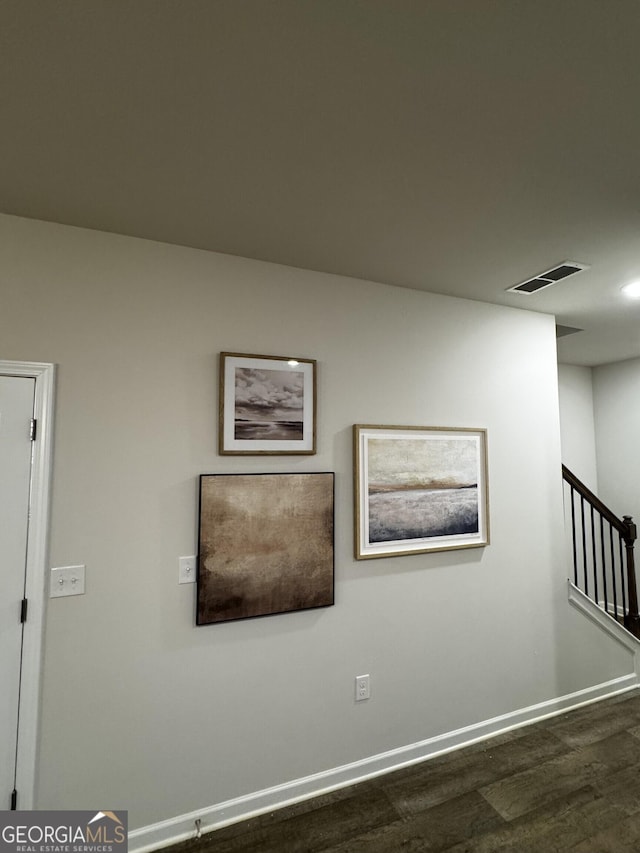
x: 182, y: 827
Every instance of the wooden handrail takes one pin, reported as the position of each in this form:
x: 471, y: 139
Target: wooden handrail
x: 594, y: 500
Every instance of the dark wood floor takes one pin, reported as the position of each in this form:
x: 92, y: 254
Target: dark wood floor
x: 571, y: 783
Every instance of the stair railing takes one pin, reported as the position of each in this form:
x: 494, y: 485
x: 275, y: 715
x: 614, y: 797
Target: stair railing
x: 603, y: 555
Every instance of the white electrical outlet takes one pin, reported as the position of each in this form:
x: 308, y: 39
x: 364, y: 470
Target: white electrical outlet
x: 66, y: 580
x: 187, y: 570
x: 363, y: 688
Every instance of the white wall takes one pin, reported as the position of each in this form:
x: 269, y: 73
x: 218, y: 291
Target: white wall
x: 143, y: 710
x: 617, y: 419
x: 577, y: 426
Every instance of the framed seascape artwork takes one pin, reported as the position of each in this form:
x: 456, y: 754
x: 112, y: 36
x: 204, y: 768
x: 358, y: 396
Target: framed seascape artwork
x: 265, y: 545
x: 419, y: 489
x: 267, y: 404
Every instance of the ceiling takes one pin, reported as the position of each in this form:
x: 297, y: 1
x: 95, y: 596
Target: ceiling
x: 453, y: 146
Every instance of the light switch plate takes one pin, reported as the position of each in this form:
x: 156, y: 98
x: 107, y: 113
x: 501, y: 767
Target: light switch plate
x: 67, y: 580
x: 187, y: 570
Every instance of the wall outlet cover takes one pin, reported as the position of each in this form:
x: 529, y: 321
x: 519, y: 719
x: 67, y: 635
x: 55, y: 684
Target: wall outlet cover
x: 363, y: 688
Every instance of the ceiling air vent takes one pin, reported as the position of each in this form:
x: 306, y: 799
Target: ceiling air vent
x: 546, y: 279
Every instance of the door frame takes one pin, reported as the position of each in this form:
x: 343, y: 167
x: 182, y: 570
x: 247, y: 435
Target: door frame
x: 36, y: 574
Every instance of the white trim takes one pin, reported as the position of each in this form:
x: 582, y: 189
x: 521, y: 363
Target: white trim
x: 36, y: 574
x: 604, y: 620
x: 182, y: 827
x: 610, y: 609
x: 616, y: 612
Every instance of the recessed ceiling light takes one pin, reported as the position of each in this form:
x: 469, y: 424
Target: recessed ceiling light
x: 631, y: 290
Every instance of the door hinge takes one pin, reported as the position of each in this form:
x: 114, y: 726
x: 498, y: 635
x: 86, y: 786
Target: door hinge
x: 23, y: 610
x: 33, y: 429
x: 14, y: 800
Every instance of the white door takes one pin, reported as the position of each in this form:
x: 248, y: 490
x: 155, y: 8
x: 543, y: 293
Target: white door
x: 16, y: 412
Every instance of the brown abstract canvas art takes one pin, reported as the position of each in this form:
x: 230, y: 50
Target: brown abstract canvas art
x: 265, y: 545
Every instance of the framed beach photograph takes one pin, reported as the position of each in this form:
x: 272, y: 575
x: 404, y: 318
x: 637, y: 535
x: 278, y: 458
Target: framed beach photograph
x: 267, y: 405
x: 419, y: 489
x: 265, y: 545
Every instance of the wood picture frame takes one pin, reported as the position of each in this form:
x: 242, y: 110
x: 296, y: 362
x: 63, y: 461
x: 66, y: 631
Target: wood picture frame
x: 265, y: 545
x: 419, y: 489
x: 267, y: 405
